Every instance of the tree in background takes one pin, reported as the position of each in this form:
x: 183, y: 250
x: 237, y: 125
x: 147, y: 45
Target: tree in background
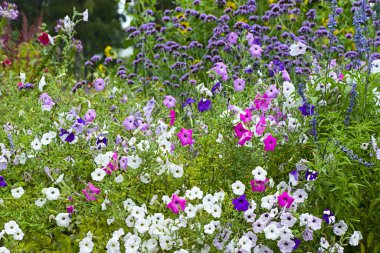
x: 103, y: 23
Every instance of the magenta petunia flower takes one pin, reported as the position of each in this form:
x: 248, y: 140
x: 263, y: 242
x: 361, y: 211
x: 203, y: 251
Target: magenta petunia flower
x: 90, y: 191
x: 169, y: 101
x: 240, y: 130
x: 247, y: 136
x: 172, y: 117
x: 255, y: 51
x: 186, y: 136
x: 258, y: 185
x: 246, y: 116
x: 99, y: 84
x: 285, y: 200
x: 239, y: 84
x: 175, y: 203
x: 270, y: 143
x: 261, y: 125
x: 262, y: 102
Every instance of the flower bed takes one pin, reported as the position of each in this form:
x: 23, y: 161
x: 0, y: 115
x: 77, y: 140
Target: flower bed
x: 245, y: 126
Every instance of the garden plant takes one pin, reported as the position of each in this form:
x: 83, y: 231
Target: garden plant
x: 235, y: 126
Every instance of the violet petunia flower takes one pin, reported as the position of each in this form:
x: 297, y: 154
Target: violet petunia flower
x: 2, y: 182
x: 90, y: 116
x: 328, y: 216
x: 204, y: 105
x: 188, y: 102
x: 241, y: 203
x: 311, y: 175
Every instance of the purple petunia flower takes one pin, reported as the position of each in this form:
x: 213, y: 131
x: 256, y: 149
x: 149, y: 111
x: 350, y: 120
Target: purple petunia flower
x: 241, y: 203
x: 2, y: 182
x: 297, y: 243
x: 307, y: 109
x: 328, y: 216
x: 204, y: 105
x: 187, y: 102
x: 311, y: 175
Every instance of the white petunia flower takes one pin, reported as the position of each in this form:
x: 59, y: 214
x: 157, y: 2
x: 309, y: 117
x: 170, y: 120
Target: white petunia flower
x: 18, y: 235
x: 17, y: 192
x: 209, y: 228
x: 98, y: 174
x: 355, y: 238
x: 340, y: 228
x: 51, y: 193
x: 85, y: 15
x: 288, y: 89
x: 238, y: 188
x: 297, y: 49
x: 4, y: 250
x: 375, y: 66
x: 259, y: 173
x: 119, y: 179
x: 134, y: 161
x: 11, y: 227
x: 40, y: 202
x: 63, y: 219
x: 46, y: 138
x: 36, y: 144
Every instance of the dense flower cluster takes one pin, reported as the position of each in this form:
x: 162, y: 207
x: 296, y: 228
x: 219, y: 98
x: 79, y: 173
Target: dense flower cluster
x: 237, y: 126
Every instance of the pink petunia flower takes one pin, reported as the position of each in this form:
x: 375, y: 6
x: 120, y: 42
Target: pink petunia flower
x: 172, y: 117
x: 247, y: 136
x: 270, y: 143
x: 186, y: 136
x: 240, y: 130
x: 258, y: 185
x: 169, y: 102
x: 175, y: 203
x: 246, y: 116
x: 261, y: 125
x: 262, y: 102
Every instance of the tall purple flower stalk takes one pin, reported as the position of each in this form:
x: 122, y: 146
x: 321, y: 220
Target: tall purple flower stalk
x: 350, y: 108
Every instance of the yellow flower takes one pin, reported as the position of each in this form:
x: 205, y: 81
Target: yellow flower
x: 107, y: 51
x: 271, y: 1
x: 243, y: 20
x: 180, y: 15
x: 336, y: 32
x: 185, y: 25
x: 231, y: 5
x: 101, y: 68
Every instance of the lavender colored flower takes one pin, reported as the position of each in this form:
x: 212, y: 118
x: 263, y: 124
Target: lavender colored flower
x: 241, y: 203
x: 239, y: 84
x: 307, y: 235
x: 286, y: 245
x: 204, y: 105
x: 129, y: 123
x: 99, y: 84
x: 169, y: 102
